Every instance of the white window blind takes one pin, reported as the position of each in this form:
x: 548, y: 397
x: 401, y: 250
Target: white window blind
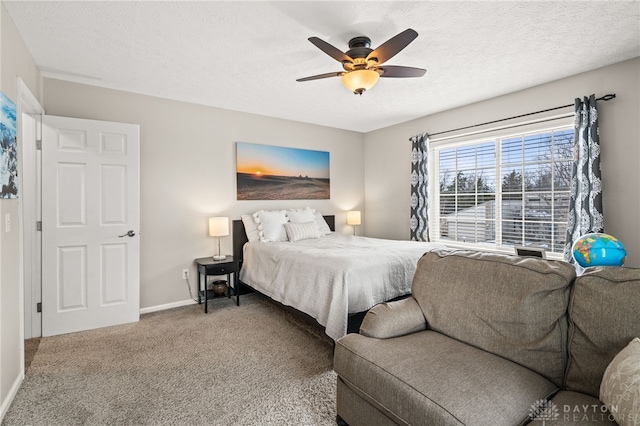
x: 504, y: 191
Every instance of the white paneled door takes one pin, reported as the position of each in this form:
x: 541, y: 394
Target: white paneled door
x: 90, y: 224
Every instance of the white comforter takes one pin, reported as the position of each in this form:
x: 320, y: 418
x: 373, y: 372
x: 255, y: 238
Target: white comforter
x: 330, y: 277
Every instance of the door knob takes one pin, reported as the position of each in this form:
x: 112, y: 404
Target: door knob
x: 128, y: 234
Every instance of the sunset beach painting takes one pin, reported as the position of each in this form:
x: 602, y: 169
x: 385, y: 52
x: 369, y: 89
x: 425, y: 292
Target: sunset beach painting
x: 266, y: 172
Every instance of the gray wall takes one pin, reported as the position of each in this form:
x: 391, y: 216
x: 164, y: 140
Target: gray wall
x: 15, y: 61
x: 388, y: 151
x: 187, y: 173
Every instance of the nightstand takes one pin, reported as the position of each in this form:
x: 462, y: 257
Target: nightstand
x: 208, y: 267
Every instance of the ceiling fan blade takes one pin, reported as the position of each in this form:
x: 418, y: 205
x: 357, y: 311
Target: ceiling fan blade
x: 401, y: 72
x: 319, y: 76
x: 334, y: 52
x: 391, y: 47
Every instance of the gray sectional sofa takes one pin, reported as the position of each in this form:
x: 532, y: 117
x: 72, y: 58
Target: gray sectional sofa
x: 488, y: 339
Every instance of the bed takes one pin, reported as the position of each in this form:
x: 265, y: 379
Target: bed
x: 333, y: 279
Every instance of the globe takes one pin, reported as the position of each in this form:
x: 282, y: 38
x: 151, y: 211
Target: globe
x: 599, y: 250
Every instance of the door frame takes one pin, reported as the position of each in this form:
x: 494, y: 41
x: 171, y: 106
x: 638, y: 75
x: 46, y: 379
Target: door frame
x: 30, y: 242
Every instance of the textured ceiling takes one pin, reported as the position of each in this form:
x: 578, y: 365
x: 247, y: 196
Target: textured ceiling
x: 246, y: 56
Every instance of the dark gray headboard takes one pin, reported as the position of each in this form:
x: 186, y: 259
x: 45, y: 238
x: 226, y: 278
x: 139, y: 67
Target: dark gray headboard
x: 240, y: 236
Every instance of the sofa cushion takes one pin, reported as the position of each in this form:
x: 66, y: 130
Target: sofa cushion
x: 620, y: 388
x: 427, y: 378
x: 604, y: 316
x: 356, y: 411
x: 508, y: 305
x: 393, y: 319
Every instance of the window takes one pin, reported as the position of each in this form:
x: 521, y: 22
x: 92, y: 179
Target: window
x: 501, y: 192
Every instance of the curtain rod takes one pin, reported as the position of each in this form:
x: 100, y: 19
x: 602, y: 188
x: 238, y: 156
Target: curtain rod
x: 607, y: 97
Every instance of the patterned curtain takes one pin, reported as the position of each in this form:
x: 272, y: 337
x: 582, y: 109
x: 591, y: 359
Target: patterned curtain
x: 419, y: 188
x: 585, y: 206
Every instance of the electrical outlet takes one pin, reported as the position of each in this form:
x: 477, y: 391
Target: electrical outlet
x: 185, y: 274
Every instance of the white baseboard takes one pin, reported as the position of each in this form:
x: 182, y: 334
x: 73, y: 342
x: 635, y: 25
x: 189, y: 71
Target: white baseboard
x: 12, y: 394
x: 167, y: 306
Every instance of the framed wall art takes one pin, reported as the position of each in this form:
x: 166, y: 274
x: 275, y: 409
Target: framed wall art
x: 8, y: 153
x: 265, y: 172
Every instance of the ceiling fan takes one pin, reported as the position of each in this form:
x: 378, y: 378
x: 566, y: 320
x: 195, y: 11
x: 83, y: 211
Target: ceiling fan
x: 363, y: 65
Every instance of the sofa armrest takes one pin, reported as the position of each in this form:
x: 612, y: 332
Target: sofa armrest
x: 393, y: 319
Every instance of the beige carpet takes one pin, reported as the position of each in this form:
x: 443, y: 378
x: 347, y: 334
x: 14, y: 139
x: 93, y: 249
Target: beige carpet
x: 30, y: 349
x: 247, y: 365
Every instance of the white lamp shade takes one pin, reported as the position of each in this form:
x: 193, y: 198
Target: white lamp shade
x: 353, y: 217
x: 218, y: 226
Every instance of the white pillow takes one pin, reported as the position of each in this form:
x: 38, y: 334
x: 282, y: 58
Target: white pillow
x: 271, y: 225
x: 301, y: 215
x: 250, y: 228
x: 302, y: 231
x: 620, y: 387
x: 322, y: 224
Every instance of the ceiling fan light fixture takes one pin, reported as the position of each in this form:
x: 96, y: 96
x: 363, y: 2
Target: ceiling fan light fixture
x: 359, y: 81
